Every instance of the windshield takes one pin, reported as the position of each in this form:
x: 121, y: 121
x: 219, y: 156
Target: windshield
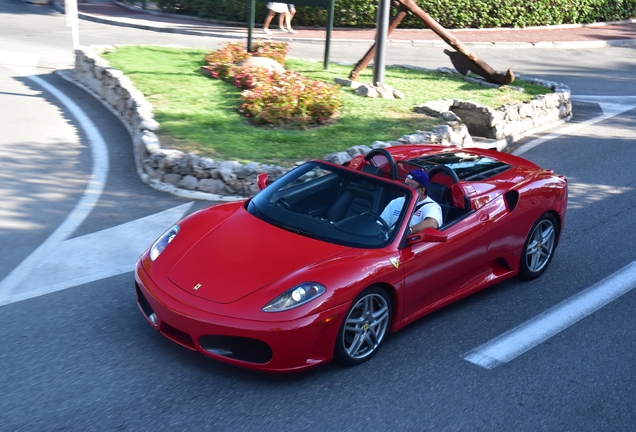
x: 332, y: 204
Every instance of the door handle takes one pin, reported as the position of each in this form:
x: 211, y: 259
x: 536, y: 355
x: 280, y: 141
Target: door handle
x: 484, y: 217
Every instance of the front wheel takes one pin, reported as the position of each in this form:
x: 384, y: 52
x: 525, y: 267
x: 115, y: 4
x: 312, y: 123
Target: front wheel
x: 364, y: 328
x: 539, y: 247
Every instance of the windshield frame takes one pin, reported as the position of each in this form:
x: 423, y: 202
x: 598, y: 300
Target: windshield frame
x: 312, y: 190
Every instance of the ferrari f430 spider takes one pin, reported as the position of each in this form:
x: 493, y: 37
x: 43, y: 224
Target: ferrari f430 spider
x: 307, y: 270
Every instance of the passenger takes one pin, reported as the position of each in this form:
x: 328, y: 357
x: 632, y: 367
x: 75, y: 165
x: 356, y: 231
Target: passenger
x: 427, y: 214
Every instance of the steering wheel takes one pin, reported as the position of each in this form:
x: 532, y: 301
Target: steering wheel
x: 388, y: 156
x: 443, y: 169
x: 385, y: 227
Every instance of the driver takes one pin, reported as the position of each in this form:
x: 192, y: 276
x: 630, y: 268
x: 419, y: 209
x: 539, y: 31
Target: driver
x: 428, y: 214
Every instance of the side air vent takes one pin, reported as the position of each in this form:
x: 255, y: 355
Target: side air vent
x: 512, y: 198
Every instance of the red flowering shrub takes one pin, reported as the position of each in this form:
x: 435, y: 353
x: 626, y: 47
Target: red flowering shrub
x: 274, y: 50
x: 221, y: 63
x: 289, y: 97
x: 230, y: 53
x: 246, y: 77
x: 271, y: 97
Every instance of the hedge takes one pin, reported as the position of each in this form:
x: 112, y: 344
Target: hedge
x: 449, y: 13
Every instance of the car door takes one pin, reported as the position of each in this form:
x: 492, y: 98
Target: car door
x: 436, y: 270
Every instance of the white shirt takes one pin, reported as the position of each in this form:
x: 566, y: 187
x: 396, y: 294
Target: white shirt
x: 392, y: 211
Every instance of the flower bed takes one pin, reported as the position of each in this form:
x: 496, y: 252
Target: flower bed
x: 269, y: 96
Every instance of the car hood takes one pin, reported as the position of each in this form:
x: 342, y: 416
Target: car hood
x: 241, y: 255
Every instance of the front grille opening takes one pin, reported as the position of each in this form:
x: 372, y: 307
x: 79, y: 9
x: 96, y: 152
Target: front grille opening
x: 177, y: 336
x: 237, y: 348
x: 143, y: 304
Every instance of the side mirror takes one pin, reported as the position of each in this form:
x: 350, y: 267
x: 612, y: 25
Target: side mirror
x: 430, y: 235
x: 261, y: 181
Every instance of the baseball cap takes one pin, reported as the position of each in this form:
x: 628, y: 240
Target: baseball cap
x: 420, y: 176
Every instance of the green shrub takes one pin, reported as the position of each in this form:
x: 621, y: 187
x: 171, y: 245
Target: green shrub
x: 227, y: 10
x: 449, y: 13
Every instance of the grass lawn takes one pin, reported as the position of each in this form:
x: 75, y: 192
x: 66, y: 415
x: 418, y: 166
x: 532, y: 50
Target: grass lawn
x: 199, y: 114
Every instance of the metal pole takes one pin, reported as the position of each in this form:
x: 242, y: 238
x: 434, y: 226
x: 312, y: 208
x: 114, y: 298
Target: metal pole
x: 384, y: 8
x: 364, y: 61
x: 70, y: 10
x: 250, y: 25
x: 329, y: 29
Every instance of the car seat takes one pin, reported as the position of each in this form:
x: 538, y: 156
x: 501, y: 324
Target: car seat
x: 359, y: 197
x: 441, y: 195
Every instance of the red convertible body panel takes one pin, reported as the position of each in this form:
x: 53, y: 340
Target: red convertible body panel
x: 228, y: 264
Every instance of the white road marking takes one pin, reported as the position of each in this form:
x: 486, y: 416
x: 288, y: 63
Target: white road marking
x: 92, y: 257
x: 21, y: 63
x: 517, y: 341
x: 611, y: 107
x: 84, y: 206
x: 58, y: 264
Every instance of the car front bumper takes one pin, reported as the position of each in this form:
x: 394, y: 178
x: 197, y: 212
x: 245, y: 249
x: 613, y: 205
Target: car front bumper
x: 283, y: 346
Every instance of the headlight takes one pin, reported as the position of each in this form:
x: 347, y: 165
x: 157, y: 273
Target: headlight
x: 295, y: 297
x: 162, y: 242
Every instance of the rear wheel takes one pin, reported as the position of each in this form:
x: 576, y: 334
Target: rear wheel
x: 364, y: 328
x: 539, y: 247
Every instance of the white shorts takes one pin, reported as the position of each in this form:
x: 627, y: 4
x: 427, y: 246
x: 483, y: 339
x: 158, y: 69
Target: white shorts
x: 277, y: 7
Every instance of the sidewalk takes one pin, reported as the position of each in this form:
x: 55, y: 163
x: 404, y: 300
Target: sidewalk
x: 567, y: 36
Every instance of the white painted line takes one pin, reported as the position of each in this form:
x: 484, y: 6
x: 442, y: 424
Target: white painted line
x: 565, y: 131
x: 95, y: 256
x: 84, y: 206
x: 517, y: 341
x: 611, y: 106
x: 22, y: 63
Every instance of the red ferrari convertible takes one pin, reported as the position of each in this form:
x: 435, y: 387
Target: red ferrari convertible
x: 307, y: 271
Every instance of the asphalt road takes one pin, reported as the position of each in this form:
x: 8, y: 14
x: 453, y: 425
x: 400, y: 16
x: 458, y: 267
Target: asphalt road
x: 83, y: 358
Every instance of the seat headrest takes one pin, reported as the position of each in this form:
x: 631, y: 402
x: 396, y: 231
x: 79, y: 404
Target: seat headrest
x: 439, y: 193
x: 370, y: 169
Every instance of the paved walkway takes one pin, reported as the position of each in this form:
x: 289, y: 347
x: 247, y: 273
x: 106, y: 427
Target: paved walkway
x: 568, y: 36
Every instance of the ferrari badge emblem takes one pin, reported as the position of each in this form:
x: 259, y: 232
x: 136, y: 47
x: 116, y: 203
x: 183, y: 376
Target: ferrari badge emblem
x: 196, y: 287
x: 395, y: 262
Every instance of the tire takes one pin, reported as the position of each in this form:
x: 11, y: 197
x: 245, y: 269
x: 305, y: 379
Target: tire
x: 364, y: 328
x: 539, y: 247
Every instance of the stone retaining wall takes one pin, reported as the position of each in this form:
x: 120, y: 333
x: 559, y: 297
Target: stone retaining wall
x: 511, y: 121
x: 180, y: 173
